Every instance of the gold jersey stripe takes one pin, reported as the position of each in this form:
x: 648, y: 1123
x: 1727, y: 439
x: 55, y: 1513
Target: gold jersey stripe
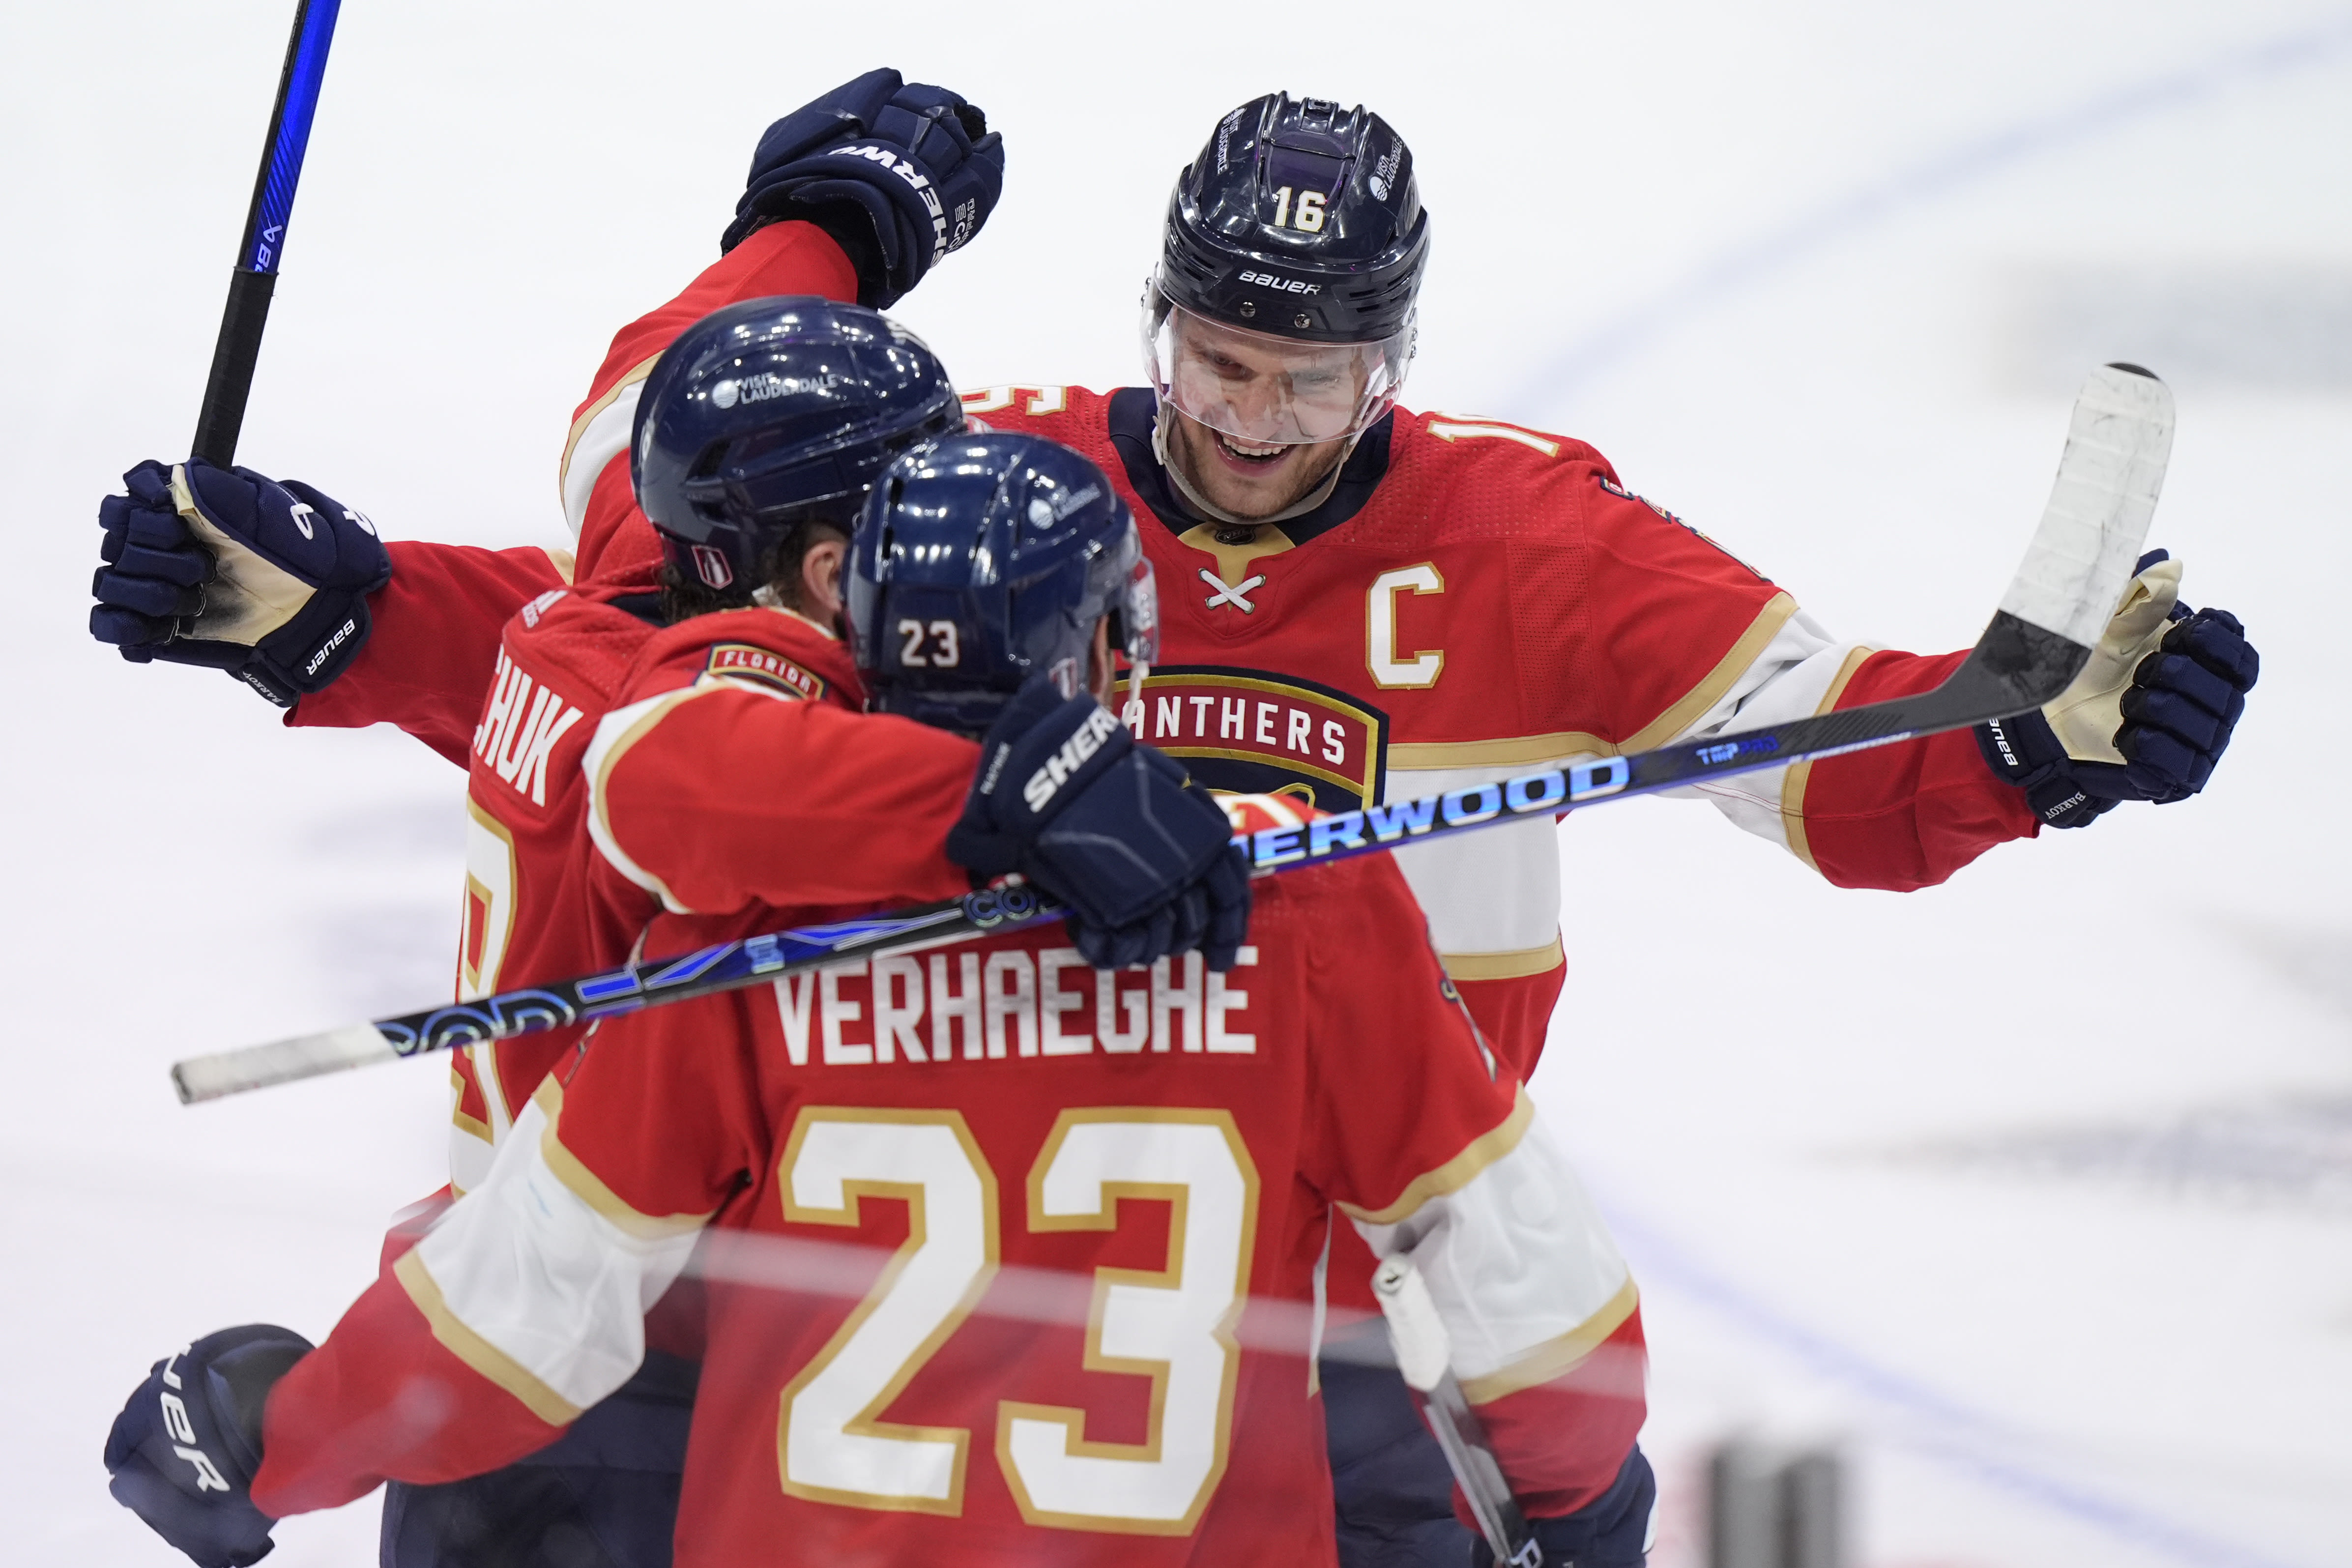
x: 1516, y: 965
x: 1557, y: 1357
x: 1729, y: 668
x: 599, y: 783
x: 564, y: 562
x: 476, y: 1351
x: 588, y: 415
x: 590, y: 1188
x: 1532, y: 750
x: 1799, y: 775
x: 1561, y: 745
x: 1458, y: 1172
x: 457, y: 1116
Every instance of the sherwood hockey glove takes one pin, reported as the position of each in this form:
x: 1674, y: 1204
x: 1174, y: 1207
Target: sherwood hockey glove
x: 183, y: 1452
x: 898, y: 173
x: 226, y: 568
x: 1143, y: 856
x: 2147, y: 718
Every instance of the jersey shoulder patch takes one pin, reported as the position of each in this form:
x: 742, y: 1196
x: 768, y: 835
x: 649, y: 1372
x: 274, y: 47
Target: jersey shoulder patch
x: 762, y: 667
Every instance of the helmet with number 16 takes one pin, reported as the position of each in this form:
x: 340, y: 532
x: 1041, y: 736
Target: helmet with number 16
x: 1282, y: 311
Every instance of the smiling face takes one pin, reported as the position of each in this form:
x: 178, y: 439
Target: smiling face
x: 1260, y: 421
x: 1247, y: 480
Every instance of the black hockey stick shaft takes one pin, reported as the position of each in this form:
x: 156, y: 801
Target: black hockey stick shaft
x: 239, y: 348
x: 2058, y: 604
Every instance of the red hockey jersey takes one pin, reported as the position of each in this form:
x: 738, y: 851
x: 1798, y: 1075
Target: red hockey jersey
x: 704, y: 794
x: 621, y: 769
x: 1476, y: 599
x: 1011, y: 1257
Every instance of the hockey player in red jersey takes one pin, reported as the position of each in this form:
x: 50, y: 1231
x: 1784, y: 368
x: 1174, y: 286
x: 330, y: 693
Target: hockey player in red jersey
x: 1366, y: 602
x: 1177, y: 1141
x: 633, y: 758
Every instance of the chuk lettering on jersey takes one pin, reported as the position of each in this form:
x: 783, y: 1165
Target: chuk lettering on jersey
x: 744, y: 661
x: 1250, y: 733
x: 518, y: 734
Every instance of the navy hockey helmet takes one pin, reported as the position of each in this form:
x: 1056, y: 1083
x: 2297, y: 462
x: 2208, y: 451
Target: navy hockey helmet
x: 771, y: 412
x: 1298, y: 233
x: 982, y: 559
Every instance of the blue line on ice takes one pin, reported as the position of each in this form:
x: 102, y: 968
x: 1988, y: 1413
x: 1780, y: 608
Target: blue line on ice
x: 1747, y: 262
x: 1942, y: 1428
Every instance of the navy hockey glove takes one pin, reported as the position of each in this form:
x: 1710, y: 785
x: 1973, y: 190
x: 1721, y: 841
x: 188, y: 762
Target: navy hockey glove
x: 185, y: 1450
x: 1612, y: 1531
x: 226, y: 568
x: 2147, y: 718
x: 899, y: 174
x: 1143, y: 856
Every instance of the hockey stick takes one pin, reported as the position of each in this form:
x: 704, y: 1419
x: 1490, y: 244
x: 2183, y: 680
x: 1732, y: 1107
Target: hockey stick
x: 2049, y: 620
x: 238, y: 347
x: 1424, y: 1355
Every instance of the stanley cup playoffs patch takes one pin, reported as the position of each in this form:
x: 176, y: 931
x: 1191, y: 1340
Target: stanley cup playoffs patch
x: 746, y: 661
x: 1249, y: 731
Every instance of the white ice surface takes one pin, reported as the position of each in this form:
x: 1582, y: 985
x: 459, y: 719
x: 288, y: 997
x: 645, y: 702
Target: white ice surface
x: 1707, y: 238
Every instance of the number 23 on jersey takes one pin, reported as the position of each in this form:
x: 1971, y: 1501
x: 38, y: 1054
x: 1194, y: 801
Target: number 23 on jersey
x: 1174, y: 1326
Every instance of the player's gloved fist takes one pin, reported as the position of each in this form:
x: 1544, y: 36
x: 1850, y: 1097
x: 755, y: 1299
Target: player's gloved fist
x: 899, y: 174
x: 2147, y: 718
x: 1143, y: 856
x: 183, y: 1452
x: 225, y: 567
x: 1612, y: 1531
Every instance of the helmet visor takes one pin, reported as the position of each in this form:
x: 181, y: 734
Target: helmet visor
x: 1257, y: 387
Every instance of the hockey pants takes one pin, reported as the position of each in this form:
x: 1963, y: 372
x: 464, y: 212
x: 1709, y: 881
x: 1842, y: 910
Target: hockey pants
x: 603, y: 1495
x: 1389, y: 1483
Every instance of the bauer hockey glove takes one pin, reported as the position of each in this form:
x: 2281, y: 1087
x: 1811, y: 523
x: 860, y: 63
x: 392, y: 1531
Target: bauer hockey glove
x: 898, y: 173
x: 183, y: 1452
x: 1143, y: 856
x: 2147, y: 718
x: 227, y: 568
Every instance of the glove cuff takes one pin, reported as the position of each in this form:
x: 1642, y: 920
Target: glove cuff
x: 2024, y: 752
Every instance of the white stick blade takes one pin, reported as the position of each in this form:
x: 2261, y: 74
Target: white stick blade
x: 2097, y: 523
x: 280, y: 1061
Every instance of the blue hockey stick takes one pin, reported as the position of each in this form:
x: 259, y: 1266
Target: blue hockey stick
x: 2039, y: 639
x: 238, y: 347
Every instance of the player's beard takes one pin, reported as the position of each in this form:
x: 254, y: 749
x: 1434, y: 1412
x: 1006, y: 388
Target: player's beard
x: 1248, y: 489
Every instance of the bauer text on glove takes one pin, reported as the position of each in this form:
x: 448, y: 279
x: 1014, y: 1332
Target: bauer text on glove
x: 227, y: 568
x: 183, y: 1452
